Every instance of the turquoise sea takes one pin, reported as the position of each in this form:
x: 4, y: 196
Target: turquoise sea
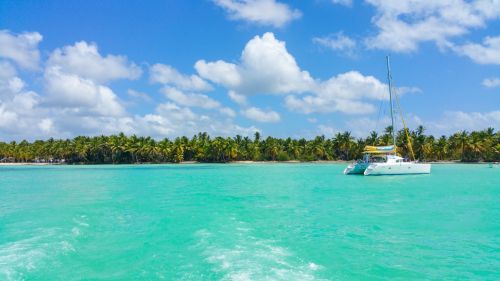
x: 247, y: 222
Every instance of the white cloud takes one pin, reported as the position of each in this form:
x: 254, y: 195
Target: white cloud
x: 21, y: 48
x: 77, y: 101
x: 20, y: 112
x: 361, y: 127
x: 314, y: 103
x: 7, y: 117
x: 220, y: 72
x: 260, y: 115
x: 167, y: 75
x: 341, y: 93
x: 325, y: 130
x: 10, y: 83
x: 266, y: 67
x: 75, y: 78
x: 491, y: 82
x: 173, y: 120
x: 453, y: 121
x: 83, y: 95
x: 46, y: 125
x: 337, y: 42
x: 196, y: 100
x: 354, y: 85
x: 227, y: 111
x: 175, y: 112
x: 486, y: 53
x: 403, y: 25
x: 448, y: 123
x: 262, y: 12
x: 167, y: 120
x: 83, y: 59
x: 237, y: 98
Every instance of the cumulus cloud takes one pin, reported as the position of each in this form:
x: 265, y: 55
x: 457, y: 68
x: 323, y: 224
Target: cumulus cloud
x: 265, y: 67
x: 325, y: 130
x: 227, y: 111
x: 464, y: 121
x: 196, y: 100
x: 237, y: 98
x: 84, y: 96
x: 220, y: 72
x: 76, y: 78
x: 448, y: 123
x: 20, y: 113
x: 83, y: 59
x: 167, y: 75
x: 486, y: 53
x: 262, y: 12
x: 404, y: 25
x: 77, y: 98
x: 314, y: 103
x: 343, y: 93
x: 491, y: 82
x: 21, y: 48
x: 170, y: 119
x: 260, y: 115
x: 177, y: 84
x: 10, y: 83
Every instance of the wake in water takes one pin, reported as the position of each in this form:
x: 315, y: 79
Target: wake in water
x: 236, y: 254
x: 22, y: 258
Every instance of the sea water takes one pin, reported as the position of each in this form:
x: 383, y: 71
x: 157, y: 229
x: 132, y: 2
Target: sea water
x: 247, y: 222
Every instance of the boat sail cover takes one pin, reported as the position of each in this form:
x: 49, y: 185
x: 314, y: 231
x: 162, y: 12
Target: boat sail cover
x: 380, y: 149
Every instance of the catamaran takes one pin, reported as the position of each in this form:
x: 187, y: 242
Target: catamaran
x: 384, y: 160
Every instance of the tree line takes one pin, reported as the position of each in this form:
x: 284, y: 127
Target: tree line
x: 121, y: 149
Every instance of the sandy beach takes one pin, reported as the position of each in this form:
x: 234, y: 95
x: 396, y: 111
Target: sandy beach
x: 235, y: 162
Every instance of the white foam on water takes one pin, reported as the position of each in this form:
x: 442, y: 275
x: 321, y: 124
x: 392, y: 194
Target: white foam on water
x: 67, y: 247
x: 313, y: 266
x: 81, y: 224
x: 81, y: 221
x: 75, y: 231
x: 239, y: 256
x: 20, y: 257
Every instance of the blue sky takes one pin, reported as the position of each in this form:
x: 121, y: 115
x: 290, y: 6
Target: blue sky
x: 298, y: 68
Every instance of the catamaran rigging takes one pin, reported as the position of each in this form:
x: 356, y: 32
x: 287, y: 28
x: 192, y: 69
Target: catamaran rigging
x: 383, y: 160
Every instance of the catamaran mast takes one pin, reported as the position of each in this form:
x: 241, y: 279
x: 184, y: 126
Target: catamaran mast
x: 389, y: 79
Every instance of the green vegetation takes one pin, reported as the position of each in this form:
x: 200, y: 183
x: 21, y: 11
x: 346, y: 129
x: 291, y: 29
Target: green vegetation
x: 468, y: 147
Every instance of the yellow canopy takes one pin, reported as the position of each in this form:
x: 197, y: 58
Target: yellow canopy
x: 380, y: 149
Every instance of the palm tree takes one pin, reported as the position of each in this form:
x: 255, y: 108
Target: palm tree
x: 372, y: 139
x: 428, y: 148
x: 344, y: 144
x: 441, y: 148
x: 461, y: 141
x: 386, y: 138
x: 475, y: 146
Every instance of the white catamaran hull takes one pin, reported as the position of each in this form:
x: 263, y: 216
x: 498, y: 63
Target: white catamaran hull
x: 403, y: 168
x: 356, y: 168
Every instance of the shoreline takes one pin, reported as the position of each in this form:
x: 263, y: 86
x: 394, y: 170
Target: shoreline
x: 230, y: 163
